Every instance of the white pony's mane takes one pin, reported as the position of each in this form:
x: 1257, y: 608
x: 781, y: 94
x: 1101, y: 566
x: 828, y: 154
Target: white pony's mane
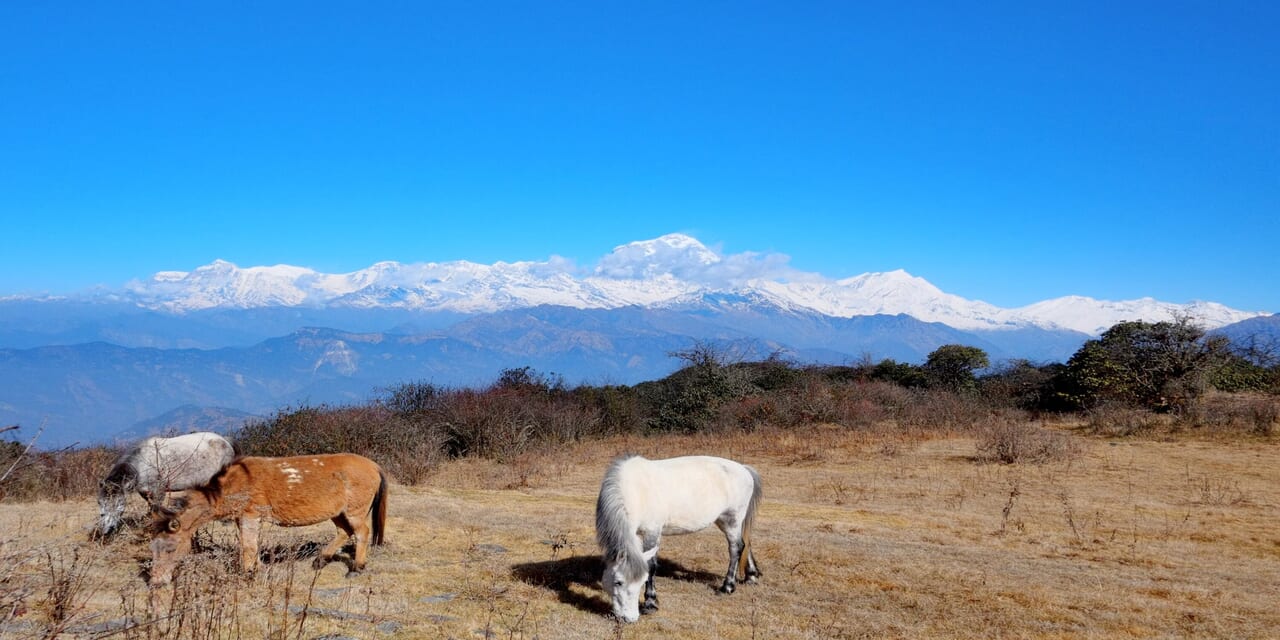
x: 614, y: 531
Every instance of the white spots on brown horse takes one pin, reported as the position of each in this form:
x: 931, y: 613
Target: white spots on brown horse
x: 294, y: 475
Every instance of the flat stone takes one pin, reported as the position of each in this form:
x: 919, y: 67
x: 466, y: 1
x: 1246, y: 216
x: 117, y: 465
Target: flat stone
x: 444, y: 597
x: 329, y: 593
x: 104, y: 627
x: 336, y: 614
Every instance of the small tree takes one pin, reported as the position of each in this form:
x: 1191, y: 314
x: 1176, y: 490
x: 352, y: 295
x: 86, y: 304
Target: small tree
x: 951, y: 366
x: 1162, y: 366
x: 530, y: 381
x: 1023, y: 384
x: 899, y: 373
x: 687, y: 399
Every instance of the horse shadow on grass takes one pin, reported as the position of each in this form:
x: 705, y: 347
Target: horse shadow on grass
x: 229, y: 553
x: 570, y: 577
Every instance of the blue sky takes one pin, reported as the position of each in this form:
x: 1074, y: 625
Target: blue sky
x: 1008, y: 152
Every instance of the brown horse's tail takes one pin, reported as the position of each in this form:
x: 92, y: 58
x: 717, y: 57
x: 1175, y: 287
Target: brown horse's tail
x: 379, y: 509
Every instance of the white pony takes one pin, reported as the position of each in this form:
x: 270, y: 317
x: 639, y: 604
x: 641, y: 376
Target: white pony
x: 157, y: 465
x: 642, y: 499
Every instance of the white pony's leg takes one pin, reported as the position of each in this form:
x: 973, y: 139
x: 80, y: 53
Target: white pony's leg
x: 731, y: 525
x: 753, y: 571
x: 650, y: 546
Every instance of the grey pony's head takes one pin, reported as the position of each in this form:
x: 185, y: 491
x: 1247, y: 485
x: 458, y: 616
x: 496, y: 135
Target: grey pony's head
x: 112, y: 492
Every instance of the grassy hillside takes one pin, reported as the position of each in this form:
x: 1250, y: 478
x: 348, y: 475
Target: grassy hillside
x: 863, y: 533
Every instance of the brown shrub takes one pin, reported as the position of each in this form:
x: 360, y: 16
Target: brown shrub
x: 865, y: 404
x: 1114, y: 419
x: 68, y: 474
x: 406, y: 448
x: 941, y: 410
x: 1012, y: 442
x: 1234, y: 413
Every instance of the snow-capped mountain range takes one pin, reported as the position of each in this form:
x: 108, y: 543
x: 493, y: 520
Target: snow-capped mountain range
x: 669, y: 271
x: 223, y: 340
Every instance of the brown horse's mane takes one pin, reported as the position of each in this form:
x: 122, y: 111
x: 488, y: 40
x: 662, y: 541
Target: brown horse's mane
x: 211, y: 492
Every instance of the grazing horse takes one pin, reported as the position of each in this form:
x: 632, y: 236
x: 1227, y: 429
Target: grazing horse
x: 157, y: 465
x: 642, y: 499
x: 348, y: 489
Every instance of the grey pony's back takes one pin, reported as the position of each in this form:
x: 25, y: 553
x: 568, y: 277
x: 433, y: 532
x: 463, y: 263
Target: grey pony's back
x: 613, y: 523
x: 150, y: 468
x: 161, y: 469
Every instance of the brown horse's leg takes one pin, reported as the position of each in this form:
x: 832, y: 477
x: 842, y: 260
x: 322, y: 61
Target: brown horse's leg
x: 363, y: 534
x: 344, y: 532
x: 249, y: 527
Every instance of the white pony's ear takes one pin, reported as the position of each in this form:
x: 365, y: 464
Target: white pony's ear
x: 648, y: 555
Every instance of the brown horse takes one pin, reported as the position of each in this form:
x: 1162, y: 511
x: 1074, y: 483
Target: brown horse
x: 348, y: 489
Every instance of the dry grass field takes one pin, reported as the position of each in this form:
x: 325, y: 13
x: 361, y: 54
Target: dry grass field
x: 861, y: 535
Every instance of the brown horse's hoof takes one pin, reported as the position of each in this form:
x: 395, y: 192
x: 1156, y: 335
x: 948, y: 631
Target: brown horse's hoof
x: 352, y: 573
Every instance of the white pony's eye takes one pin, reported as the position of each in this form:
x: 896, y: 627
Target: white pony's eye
x: 617, y: 583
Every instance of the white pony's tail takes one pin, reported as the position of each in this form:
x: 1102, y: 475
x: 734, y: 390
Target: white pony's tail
x: 615, y: 537
x: 749, y: 520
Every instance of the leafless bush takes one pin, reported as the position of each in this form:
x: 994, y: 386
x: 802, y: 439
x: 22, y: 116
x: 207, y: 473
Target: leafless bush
x: 210, y: 598
x: 1217, y: 491
x: 1121, y: 420
x: 420, y: 450
x: 487, y: 425
x: 1234, y: 413
x: 46, y: 588
x: 68, y: 474
x: 865, y: 404
x: 748, y: 413
x: 559, y: 421
x: 940, y: 410
x: 812, y: 401
x: 1012, y: 442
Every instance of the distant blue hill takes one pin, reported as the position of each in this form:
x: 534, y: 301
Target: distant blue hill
x: 135, y: 372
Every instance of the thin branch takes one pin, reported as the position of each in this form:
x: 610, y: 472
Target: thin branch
x: 24, y: 451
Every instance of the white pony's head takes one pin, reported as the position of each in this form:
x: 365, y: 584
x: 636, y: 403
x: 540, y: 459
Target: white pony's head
x: 624, y: 589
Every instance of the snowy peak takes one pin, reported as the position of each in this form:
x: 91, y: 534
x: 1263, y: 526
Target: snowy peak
x: 674, y: 270
x: 222, y: 283
x: 891, y: 293
x: 1087, y: 315
x: 673, y: 253
x: 892, y: 281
